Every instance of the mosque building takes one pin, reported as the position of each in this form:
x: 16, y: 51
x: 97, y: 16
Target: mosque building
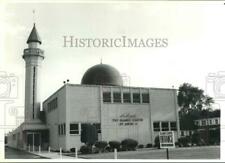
x: 117, y: 111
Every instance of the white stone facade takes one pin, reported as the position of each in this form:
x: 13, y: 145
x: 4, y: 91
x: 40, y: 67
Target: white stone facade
x: 78, y: 104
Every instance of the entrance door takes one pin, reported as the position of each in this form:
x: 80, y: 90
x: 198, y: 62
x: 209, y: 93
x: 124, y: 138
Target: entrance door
x: 37, y: 139
x: 30, y: 140
x: 34, y: 140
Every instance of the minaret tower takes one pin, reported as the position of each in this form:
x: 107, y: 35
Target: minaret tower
x: 33, y: 57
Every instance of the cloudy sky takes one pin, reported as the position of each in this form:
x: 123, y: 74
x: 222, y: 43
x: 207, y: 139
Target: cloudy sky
x: 195, y: 33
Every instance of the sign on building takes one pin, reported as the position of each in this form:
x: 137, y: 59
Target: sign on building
x: 166, y: 139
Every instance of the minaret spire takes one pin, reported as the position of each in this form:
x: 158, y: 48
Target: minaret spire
x: 33, y: 57
x: 34, y: 36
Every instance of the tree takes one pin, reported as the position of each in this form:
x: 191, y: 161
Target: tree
x: 192, y: 98
x: 193, y: 105
x: 89, y: 134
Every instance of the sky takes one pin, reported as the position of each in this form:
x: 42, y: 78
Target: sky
x: 195, y: 33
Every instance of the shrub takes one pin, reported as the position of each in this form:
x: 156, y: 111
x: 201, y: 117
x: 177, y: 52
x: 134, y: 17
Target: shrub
x: 114, y: 144
x: 140, y: 146
x: 101, y: 145
x: 72, y: 149
x: 85, y: 149
x: 183, y: 141
x: 177, y: 144
x: 149, y: 145
x: 107, y: 149
x: 95, y: 150
x: 195, y: 138
x: 129, y: 144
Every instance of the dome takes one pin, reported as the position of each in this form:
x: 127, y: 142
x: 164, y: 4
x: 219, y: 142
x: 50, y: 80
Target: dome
x: 102, y: 74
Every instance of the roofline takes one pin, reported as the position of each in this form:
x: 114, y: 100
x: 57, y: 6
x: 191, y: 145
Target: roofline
x: 87, y: 85
x: 92, y: 85
x: 54, y: 93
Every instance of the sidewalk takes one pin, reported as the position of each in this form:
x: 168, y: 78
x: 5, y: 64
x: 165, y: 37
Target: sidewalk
x: 52, y: 155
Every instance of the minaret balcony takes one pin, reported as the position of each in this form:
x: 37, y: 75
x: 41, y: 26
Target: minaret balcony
x: 33, y: 52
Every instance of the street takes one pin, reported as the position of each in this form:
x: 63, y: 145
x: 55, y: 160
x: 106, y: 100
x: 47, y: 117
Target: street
x: 11, y: 153
x: 204, y: 152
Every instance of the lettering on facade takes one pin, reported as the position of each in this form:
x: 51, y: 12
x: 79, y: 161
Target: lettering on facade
x: 127, y: 119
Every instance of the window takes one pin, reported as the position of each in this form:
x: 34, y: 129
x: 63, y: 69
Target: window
x: 210, y: 122
x: 59, y: 130
x: 196, y: 123
x: 64, y: 128
x: 126, y: 98
x: 53, y: 104
x: 165, y: 126
x: 74, y: 128
x: 190, y: 133
x: 136, y: 98
x: 173, y: 126
x: 216, y: 121
x: 145, y: 98
x: 156, y: 126
x: 116, y: 97
x: 203, y: 122
x: 182, y: 133
x: 98, y: 127
x: 106, y: 97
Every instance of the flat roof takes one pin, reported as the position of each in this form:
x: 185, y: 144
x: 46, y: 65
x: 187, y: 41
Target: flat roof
x: 86, y: 85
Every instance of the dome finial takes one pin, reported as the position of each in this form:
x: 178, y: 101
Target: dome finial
x: 34, y: 16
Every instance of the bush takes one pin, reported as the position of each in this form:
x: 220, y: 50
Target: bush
x: 129, y: 144
x: 85, y: 149
x: 95, y: 150
x: 157, y: 143
x: 101, y: 145
x: 108, y: 149
x: 177, y: 144
x: 183, y: 141
x: 140, y: 146
x: 114, y: 144
x: 72, y: 149
x: 195, y: 138
x: 149, y: 145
